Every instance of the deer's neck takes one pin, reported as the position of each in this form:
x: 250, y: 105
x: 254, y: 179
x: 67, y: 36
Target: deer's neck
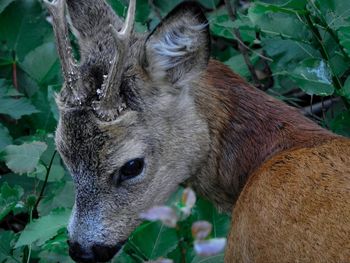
x: 246, y: 128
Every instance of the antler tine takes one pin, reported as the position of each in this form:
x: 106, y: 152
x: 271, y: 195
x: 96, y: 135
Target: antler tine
x: 128, y: 26
x: 68, y: 63
x: 110, y: 104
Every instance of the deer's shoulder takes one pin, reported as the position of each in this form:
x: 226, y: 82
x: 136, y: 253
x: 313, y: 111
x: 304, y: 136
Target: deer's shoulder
x: 294, y: 190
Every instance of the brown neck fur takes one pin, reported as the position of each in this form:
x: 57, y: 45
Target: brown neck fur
x: 246, y: 128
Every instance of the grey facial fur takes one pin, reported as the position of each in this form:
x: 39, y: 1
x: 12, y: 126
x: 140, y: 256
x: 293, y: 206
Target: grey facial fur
x: 160, y: 123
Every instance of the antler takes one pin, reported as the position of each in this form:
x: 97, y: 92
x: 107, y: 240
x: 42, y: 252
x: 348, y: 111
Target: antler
x: 69, y: 65
x: 110, y: 104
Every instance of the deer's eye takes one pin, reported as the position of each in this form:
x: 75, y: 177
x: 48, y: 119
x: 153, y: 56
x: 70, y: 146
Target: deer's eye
x: 131, y: 169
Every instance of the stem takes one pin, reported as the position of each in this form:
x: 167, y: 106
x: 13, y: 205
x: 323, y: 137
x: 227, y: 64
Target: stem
x: 230, y: 10
x: 30, y: 246
x: 246, y: 57
x: 5, y: 252
x: 327, y: 28
x: 29, y: 253
x: 14, y: 71
x: 182, y: 248
x: 311, y: 105
x: 324, y: 112
x: 242, y: 48
x: 284, y: 36
x: 41, y: 195
x: 318, y: 108
x: 336, y: 82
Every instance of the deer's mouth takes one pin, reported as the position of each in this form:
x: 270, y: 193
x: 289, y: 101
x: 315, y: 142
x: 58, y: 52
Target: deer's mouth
x: 96, y: 253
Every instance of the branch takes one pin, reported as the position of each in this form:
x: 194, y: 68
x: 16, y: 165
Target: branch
x: 41, y: 195
x: 14, y: 71
x: 242, y: 47
x: 319, y: 107
x: 246, y: 57
x: 336, y: 82
x: 231, y: 11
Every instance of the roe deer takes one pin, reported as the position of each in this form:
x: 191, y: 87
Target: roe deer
x: 141, y: 113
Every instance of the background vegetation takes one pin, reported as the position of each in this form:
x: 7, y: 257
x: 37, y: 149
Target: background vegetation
x: 295, y: 50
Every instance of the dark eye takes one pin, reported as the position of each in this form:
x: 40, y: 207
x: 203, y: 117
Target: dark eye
x: 131, y: 169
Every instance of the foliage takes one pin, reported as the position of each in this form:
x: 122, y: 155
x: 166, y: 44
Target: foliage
x: 296, y: 50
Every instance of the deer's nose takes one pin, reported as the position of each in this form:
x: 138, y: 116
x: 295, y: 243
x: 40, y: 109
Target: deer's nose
x: 96, y: 253
x: 79, y: 254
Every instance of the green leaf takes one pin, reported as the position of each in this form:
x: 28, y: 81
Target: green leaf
x: 56, y: 173
x: 219, y: 258
x: 210, y: 4
x: 142, y: 11
x: 5, y: 138
x: 221, y: 24
x: 238, y: 65
x: 7, y: 239
x: 335, y: 12
x: 9, y: 197
x: 204, y: 210
x: 290, y: 5
x: 33, y: 61
x: 39, y: 172
x: 58, y: 195
x: 154, y: 240
x: 55, y: 249
x: 16, y: 108
x: 344, y: 38
x: 24, y: 158
x: 166, y: 6
x: 118, y: 6
x: 275, y: 21
x: 288, y: 53
x: 28, y: 184
x: 28, y: 27
x: 123, y: 257
x: 44, y: 119
x: 31, y: 201
x: 3, y: 5
x: 341, y: 124
x: 44, y: 228
x: 313, y: 76
x: 51, y: 93
x: 345, y: 91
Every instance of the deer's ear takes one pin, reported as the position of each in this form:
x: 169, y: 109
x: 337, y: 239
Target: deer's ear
x: 179, y: 48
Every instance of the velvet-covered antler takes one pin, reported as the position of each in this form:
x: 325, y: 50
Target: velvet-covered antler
x: 110, y: 104
x: 70, y: 94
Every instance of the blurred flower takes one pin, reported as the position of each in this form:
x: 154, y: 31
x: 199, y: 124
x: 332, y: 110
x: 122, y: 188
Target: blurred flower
x: 164, y: 214
x: 209, y: 247
x: 201, y: 230
x: 188, y: 200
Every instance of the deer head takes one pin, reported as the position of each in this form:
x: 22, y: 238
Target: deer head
x: 129, y: 131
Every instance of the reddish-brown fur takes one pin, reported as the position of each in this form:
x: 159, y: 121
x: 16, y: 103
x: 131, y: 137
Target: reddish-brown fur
x: 286, y: 178
x: 295, y: 175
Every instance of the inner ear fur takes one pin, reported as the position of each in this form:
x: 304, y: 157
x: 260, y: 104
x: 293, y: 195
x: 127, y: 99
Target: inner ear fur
x: 178, y: 49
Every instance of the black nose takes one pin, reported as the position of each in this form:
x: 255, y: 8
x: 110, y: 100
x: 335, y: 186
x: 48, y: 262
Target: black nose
x: 96, y: 253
